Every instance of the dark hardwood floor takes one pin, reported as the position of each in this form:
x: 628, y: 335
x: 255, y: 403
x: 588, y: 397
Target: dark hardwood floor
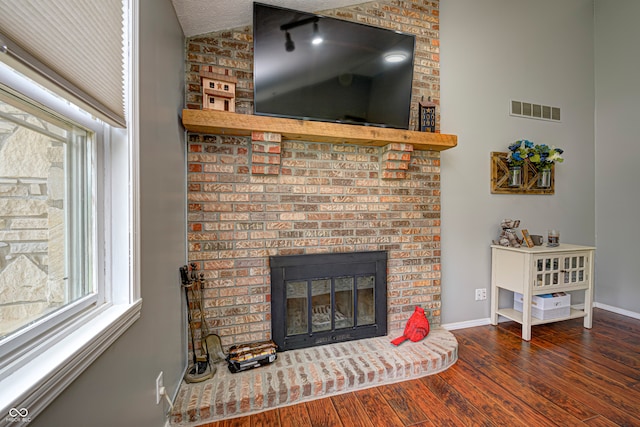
x: 565, y: 376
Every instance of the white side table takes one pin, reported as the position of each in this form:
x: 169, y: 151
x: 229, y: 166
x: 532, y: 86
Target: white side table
x: 541, y: 270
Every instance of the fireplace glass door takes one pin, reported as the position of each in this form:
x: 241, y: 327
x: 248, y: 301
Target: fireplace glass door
x: 297, y: 303
x: 320, y: 302
x: 321, y: 307
x: 366, y: 300
x: 327, y: 312
x: 344, y: 296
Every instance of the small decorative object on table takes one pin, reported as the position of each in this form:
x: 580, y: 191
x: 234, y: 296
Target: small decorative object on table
x: 553, y: 238
x: 527, y: 238
x: 427, y: 116
x: 537, y: 239
x: 508, y: 235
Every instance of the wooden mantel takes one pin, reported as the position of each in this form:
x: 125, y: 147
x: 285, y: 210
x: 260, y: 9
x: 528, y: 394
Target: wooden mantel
x: 226, y: 123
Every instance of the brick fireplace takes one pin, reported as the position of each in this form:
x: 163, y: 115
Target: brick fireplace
x: 250, y: 200
x: 327, y: 198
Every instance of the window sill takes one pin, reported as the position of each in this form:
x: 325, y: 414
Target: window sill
x: 47, y: 370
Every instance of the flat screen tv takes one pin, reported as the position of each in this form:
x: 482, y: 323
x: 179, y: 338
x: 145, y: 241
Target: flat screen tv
x: 314, y: 67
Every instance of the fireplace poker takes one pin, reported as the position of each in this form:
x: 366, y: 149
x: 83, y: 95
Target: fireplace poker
x: 201, y: 368
x: 185, y: 284
x: 211, y: 343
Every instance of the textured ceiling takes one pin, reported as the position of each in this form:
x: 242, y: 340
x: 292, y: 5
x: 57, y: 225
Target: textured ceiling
x: 206, y: 16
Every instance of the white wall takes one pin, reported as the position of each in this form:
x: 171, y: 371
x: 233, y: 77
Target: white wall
x: 119, y: 388
x: 617, y: 69
x: 493, y: 51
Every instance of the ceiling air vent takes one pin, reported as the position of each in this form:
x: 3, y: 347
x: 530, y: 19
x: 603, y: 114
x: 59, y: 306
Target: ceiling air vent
x: 534, y: 111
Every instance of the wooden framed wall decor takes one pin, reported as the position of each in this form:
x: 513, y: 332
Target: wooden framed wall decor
x: 500, y: 177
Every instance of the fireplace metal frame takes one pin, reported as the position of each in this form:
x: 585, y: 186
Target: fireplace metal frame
x: 327, y: 266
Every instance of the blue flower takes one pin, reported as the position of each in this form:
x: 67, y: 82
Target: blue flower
x: 515, y: 146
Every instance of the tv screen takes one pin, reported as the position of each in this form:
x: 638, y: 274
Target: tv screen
x: 312, y: 67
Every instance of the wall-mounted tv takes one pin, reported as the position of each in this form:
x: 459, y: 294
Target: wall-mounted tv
x: 314, y: 67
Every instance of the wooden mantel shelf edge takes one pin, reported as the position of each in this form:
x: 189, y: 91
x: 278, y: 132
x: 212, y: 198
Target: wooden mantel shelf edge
x: 225, y: 123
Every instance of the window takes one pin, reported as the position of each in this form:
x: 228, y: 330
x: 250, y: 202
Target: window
x: 46, y: 203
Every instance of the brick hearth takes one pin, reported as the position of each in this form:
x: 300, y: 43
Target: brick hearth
x: 306, y: 374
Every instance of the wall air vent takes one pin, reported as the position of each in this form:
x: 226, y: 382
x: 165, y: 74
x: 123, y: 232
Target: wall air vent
x: 534, y: 111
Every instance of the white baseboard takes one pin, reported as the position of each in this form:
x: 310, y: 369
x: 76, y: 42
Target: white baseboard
x: 466, y: 324
x: 617, y: 310
x: 487, y: 321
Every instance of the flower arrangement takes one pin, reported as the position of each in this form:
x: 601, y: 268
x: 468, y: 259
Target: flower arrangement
x: 541, y: 155
x: 544, y: 156
x: 520, y: 151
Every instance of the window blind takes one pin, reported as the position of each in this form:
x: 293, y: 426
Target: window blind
x: 75, y: 48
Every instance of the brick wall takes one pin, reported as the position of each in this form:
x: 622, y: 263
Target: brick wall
x: 322, y: 198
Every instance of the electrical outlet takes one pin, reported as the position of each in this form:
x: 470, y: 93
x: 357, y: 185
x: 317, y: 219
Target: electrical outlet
x: 481, y: 294
x: 159, y: 388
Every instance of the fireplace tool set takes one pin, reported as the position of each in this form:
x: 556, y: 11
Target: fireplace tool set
x: 240, y: 358
x: 201, y: 368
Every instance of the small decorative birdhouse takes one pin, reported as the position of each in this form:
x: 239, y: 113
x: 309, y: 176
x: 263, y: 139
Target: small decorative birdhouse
x: 218, y: 89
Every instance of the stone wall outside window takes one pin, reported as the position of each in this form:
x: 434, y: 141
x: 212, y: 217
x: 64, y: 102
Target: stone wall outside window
x: 32, y: 191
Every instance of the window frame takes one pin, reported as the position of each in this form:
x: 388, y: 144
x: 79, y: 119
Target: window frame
x: 16, y: 343
x: 36, y: 370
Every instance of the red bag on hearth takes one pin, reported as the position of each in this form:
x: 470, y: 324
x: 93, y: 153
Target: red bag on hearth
x: 417, y: 327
